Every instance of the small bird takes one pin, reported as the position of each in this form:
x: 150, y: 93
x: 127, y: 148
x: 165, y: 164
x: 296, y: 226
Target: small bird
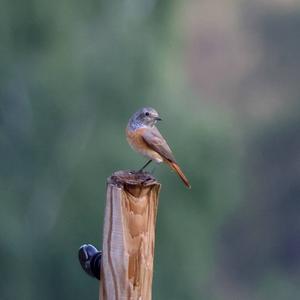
x: 144, y: 137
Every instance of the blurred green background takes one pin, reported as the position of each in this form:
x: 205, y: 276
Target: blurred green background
x: 224, y: 77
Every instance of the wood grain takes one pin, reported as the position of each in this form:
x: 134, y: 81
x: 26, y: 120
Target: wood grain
x: 129, y: 236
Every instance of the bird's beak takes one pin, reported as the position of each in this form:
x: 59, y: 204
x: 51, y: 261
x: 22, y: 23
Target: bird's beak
x: 158, y: 119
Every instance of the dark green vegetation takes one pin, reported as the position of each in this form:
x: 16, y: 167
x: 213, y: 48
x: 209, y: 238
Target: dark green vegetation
x: 73, y: 72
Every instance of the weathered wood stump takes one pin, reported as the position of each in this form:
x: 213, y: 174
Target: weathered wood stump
x: 129, y: 236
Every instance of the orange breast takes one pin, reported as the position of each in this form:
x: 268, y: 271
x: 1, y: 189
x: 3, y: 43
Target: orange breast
x: 136, y: 141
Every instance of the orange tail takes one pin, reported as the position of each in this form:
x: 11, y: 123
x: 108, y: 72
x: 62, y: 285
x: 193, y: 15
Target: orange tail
x: 176, y: 168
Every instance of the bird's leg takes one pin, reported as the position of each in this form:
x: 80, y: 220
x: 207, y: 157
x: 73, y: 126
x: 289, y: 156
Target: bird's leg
x: 148, y: 162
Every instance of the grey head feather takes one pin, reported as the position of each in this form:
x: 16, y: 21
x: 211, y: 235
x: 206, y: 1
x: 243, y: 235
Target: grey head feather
x: 144, y: 117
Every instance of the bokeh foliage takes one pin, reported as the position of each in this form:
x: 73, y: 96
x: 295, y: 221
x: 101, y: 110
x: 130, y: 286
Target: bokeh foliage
x: 71, y: 74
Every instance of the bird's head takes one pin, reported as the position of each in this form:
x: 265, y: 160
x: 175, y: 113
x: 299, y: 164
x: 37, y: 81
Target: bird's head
x: 146, y: 116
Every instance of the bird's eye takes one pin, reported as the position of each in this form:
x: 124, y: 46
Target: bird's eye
x: 147, y: 114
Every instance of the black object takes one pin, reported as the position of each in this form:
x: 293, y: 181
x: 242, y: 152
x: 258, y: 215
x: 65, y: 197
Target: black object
x: 90, y: 260
x: 145, y: 165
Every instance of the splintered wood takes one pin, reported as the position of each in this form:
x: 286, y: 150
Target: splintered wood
x: 129, y: 236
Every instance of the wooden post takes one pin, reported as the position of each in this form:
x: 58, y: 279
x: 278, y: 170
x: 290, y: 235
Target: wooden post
x: 129, y: 236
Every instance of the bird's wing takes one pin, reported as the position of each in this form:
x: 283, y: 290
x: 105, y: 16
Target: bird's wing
x: 155, y: 141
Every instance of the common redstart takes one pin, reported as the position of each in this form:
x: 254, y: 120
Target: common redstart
x: 144, y: 137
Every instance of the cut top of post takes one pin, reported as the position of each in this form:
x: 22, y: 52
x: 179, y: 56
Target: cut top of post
x: 134, y: 182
